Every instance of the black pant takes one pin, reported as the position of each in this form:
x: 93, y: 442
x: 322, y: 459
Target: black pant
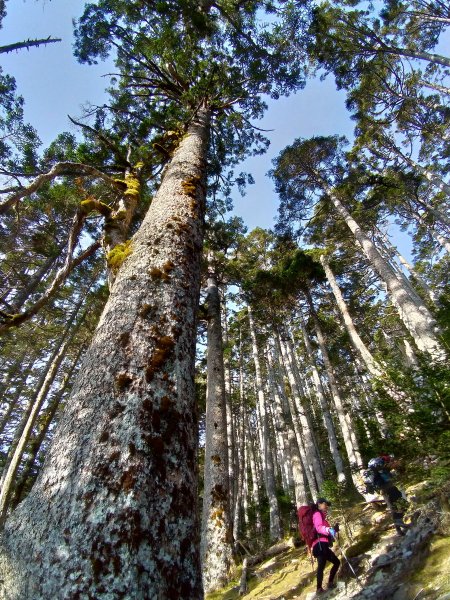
x: 322, y: 552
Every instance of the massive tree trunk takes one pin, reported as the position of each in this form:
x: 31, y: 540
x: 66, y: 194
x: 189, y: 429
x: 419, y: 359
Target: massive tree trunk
x: 216, y: 523
x: 115, y: 508
x: 328, y: 421
x: 414, y: 314
x: 269, y: 471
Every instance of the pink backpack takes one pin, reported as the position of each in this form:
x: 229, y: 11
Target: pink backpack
x: 305, y: 524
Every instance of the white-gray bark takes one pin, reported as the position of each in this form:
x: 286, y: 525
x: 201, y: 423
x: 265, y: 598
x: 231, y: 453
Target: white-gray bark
x: 408, y: 266
x: 415, y: 315
x: 217, y: 536
x: 291, y: 450
x: 297, y: 423
x: 269, y: 471
x: 328, y: 421
x: 350, y: 442
x: 115, y: 508
x: 312, y: 459
x: 373, y: 366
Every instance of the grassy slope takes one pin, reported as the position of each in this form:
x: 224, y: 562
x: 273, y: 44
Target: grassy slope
x: 368, y: 532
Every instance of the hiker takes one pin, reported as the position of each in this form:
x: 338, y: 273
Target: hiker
x: 321, y: 547
x: 378, y: 478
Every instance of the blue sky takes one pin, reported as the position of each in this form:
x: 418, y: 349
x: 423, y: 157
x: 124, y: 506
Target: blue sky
x: 54, y: 85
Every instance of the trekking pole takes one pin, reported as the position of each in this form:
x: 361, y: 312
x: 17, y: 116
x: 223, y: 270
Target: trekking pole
x: 347, y: 561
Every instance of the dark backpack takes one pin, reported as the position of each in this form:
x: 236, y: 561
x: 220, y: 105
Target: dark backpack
x: 305, y: 523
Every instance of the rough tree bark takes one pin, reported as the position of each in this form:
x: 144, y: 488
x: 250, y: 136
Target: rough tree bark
x: 217, y: 535
x: 115, y: 508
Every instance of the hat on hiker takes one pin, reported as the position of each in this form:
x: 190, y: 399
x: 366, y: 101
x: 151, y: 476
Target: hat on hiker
x: 323, y: 500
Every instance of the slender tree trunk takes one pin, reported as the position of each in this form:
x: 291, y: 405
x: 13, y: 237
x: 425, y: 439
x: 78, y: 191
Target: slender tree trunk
x: 30, y: 416
x: 304, y: 441
x: 408, y: 266
x: 37, y: 441
x: 328, y: 421
x: 241, y: 486
x: 416, y: 316
x: 304, y: 408
x: 279, y: 427
x: 374, y: 367
x: 32, y: 285
x: 350, y: 442
x: 216, y: 523
x: 291, y: 450
x: 14, y: 400
x: 231, y: 441
x: 269, y: 475
x: 312, y: 458
x: 256, y: 484
x: 440, y: 239
x: 436, y: 59
x: 119, y: 484
x: 434, y: 86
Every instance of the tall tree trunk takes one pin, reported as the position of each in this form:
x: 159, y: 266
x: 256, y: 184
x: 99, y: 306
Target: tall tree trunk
x: 14, y: 400
x: 30, y: 416
x: 350, y: 442
x: 119, y: 484
x: 231, y: 442
x: 304, y: 408
x: 43, y: 427
x: 415, y: 315
x: 440, y: 239
x: 408, y: 266
x: 374, y: 368
x: 279, y: 425
x: 328, y: 421
x: 291, y: 446
x: 269, y: 474
x: 256, y: 483
x: 216, y: 523
x: 241, y: 487
x: 311, y: 458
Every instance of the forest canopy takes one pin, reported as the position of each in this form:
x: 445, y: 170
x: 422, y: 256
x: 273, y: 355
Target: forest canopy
x: 172, y: 383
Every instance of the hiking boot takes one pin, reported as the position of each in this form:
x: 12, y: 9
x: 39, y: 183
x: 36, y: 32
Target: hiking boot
x: 331, y: 585
x: 320, y: 591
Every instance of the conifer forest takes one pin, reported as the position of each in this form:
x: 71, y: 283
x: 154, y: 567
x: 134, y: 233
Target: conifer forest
x: 174, y: 386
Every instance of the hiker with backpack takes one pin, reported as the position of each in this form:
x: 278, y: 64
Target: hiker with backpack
x: 379, y: 478
x: 319, y: 537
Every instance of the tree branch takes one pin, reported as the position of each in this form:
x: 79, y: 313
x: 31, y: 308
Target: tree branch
x: 62, y: 168
x: 28, y: 44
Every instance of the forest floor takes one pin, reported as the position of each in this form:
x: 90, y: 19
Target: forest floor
x: 387, y: 566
